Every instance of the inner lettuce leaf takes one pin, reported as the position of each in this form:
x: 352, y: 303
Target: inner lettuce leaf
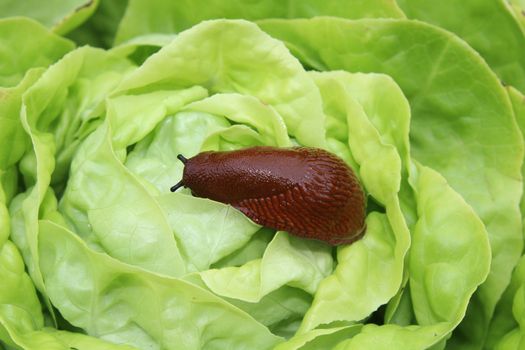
x: 456, y: 101
x: 279, y: 79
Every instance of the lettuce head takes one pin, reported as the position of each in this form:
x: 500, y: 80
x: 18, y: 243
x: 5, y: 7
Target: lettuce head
x: 97, y: 99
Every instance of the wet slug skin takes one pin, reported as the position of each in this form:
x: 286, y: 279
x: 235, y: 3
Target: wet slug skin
x: 308, y: 192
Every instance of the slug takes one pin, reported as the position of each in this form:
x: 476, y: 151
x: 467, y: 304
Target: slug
x: 307, y: 192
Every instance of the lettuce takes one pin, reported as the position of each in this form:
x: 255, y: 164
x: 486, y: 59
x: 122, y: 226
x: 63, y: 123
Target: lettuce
x: 96, y: 252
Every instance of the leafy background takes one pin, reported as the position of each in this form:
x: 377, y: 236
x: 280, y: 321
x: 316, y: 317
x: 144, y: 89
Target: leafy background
x: 423, y: 99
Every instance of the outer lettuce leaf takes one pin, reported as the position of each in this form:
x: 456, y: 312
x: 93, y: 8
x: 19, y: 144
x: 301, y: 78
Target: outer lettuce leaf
x: 347, y: 294
x: 518, y: 104
x: 27, y: 44
x: 112, y: 211
x: 456, y: 101
x: 450, y: 252
x: 18, y: 300
x: 490, y: 27
x: 16, y: 76
x: 56, y: 120
x: 21, y: 318
x: 11, y: 130
x: 449, y: 258
x: 517, y: 7
x: 60, y: 16
x: 106, y: 297
x: 504, y: 330
x: 164, y: 16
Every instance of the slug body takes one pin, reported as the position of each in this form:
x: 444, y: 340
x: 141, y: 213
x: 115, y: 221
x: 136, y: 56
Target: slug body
x: 307, y: 192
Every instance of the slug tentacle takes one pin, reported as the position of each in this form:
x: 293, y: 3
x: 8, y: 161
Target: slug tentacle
x: 308, y: 192
x: 177, y: 186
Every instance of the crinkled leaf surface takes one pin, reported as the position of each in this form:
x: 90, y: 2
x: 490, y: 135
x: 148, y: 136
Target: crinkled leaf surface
x: 278, y: 79
x: 444, y: 273
x: 352, y: 292
x: 462, y: 122
x: 99, y: 230
x: 106, y: 298
x: 56, y: 121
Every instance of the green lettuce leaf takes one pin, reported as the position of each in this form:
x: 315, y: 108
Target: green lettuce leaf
x: 21, y: 317
x: 57, y: 112
x: 517, y: 7
x: 348, y: 295
x: 280, y: 83
x: 504, y: 331
x: 456, y: 101
x: 175, y: 313
x: 11, y: 130
x: 306, y: 262
x: 60, y: 16
x: 164, y: 16
x: 27, y: 44
x: 449, y: 259
x: 518, y: 104
x: 490, y: 27
x: 121, y: 262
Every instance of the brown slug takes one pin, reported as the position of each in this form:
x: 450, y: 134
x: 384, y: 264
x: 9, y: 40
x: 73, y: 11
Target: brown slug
x: 307, y: 192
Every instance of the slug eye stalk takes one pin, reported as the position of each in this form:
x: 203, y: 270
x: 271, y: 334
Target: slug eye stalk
x: 179, y: 184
